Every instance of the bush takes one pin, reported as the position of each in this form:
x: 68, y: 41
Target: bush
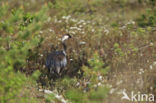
x: 76, y: 96
x: 18, y: 35
x: 91, y: 92
x: 99, y: 95
x: 148, y: 19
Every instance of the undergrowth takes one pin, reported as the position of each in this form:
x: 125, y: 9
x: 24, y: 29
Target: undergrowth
x: 112, y: 49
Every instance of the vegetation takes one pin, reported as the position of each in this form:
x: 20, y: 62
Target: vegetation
x: 113, y: 48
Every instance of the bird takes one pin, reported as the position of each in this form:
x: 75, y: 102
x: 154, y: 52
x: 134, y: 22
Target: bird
x: 56, y: 61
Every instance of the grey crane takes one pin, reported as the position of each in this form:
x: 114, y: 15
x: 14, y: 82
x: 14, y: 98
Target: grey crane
x: 56, y: 61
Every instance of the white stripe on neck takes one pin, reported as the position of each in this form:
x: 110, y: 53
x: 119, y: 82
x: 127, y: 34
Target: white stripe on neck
x: 65, y: 38
x: 64, y: 52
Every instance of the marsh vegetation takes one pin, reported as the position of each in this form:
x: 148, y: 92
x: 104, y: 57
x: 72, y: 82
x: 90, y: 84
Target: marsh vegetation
x: 112, y: 49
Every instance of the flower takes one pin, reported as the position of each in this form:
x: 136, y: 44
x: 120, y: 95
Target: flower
x: 106, y: 31
x: 51, y: 30
x: 151, y: 67
x: 93, y: 30
x: 66, y: 17
x: 49, y: 18
x: 72, y: 32
x: 73, y: 20
x: 82, y: 43
x: 41, y: 32
x: 100, y: 77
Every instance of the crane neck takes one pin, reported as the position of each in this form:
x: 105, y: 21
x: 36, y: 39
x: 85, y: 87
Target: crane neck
x: 64, y: 47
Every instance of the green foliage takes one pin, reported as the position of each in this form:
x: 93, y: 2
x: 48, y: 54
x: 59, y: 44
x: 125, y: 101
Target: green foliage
x: 126, y: 2
x: 118, y: 50
x: 121, y: 2
x: 93, y: 96
x: 14, y: 48
x: 36, y: 74
x: 151, y: 2
x: 97, y: 64
x: 66, y: 5
x: 76, y: 96
x: 66, y: 82
x: 97, y: 69
x: 147, y: 19
x: 115, y: 24
x: 99, y: 95
x: 3, y: 9
x: 96, y: 29
x: 49, y: 98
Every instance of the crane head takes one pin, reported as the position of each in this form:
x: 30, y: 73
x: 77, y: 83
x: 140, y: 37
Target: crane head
x: 66, y: 37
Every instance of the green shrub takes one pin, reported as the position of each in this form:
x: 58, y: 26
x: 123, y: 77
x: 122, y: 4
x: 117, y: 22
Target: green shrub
x: 99, y: 95
x: 76, y: 96
x: 86, y: 93
x: 18, y: 35
x: 68, y: 6
x: 147, y: 19
x: 97, y: 64
x: 97, y: 69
